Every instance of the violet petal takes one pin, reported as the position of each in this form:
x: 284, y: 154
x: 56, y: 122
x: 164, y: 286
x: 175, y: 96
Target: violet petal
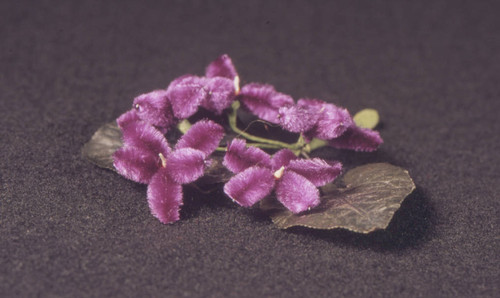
x: 186, y: 165
x: 359, y: 139
x: 311, y: 103
x: 332, y: 120
x: 220, y: 94
x: 185, y: 95
x: 145, y: 138
x: 282, y: 158
x: 264, y: 101
x: 296, y: 118
x: 164, y: 197
x: 250, y: 186
x: 135, y: 164
x: 296, y: 193
x: 316, y: 170
x: 127, y: 118
x: 204, y: 135
x: 154, y: 108
x: 221, y: 67
x: 238, y: 157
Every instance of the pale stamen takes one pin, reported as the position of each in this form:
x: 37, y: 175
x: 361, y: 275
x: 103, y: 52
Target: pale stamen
x: 163, y: 160
x: 279, y: 173
x: 236, y: 82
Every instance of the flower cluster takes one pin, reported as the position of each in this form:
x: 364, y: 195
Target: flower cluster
x: 294, y: 180
x: 146, y: 157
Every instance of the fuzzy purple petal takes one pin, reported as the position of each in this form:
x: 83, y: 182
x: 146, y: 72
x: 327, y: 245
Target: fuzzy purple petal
x: 311, y: 103
x: 127, y: 118
x: 220, y: 94
x: 145, y: 138
x: 186, y: 94
x: 358, y: 139
x: 332, y: 121
x: 135, y: 164
x: 238, y: 157
x: 316, y: 170
x: 297, y: 118
x: 250, y: 186
x: 221, y: 67
x: 296, y: 193
x: 154, y: 108
x: 264, y: 101
x: 186, y: 165
x: 164, y: 197
x: 204, y: 135
x: 281, y: 159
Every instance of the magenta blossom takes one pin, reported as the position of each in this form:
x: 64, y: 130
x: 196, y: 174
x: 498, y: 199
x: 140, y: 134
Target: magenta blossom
x: 147, y: 158
x: 318, y: 119
x: 294, y: 180
x: 223, y: 67
x: 221, y: 74
x: 188, y: 93
x: 155, y: 109
x: 264, y: 101
x: 184, y: 95
x: 220, y: 93
x: 215, y: 92
x: 127, y: 118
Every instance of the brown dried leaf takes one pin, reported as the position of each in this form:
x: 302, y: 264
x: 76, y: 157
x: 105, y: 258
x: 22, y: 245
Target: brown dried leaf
x: 105, y: 141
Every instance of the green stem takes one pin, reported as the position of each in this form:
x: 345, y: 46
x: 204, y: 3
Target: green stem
x: 299, y: 148
x: 259, y: 145
x: 264, y: 143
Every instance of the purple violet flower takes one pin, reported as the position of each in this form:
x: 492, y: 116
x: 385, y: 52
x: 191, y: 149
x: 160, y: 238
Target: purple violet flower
x: 358, y: 139
x: 298, y: 118
x: 155, y: 109
x: 224, y: 67
x: 221, y: 67
x: 315, y: 118
x: 152, y: 108
x: 294, y: 180
x: 184, y: 95
x: 147, y: 158
x: 223, y: 84
x: 220, y: 93
x: 127, y: 118
x: 189, y: 92
x: 264, y: 101
x: 215, y: 92
x: 318, y: 119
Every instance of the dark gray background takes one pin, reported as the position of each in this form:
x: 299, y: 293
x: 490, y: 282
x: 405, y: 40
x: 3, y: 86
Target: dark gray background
x: 68, y: 228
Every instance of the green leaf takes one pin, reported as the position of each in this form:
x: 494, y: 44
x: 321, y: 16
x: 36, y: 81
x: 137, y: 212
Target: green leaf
x: 368, y: 201
x: 105, y: 141
x: 367, y: 118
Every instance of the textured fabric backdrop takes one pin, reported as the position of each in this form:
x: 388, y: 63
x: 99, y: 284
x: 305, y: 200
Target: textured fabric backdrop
x: 68, y: 228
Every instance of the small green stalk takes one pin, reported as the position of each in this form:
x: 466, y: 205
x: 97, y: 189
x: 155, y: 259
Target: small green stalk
x: 301, y: 147
x: 261, y: 142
